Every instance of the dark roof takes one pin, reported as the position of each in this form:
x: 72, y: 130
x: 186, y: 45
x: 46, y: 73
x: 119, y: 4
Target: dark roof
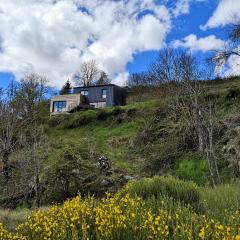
x: 103, y: 85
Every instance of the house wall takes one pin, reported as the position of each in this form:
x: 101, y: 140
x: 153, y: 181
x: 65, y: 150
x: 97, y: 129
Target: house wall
x: 73, y: 100
x: 95, y: 94
x: 120, y: 96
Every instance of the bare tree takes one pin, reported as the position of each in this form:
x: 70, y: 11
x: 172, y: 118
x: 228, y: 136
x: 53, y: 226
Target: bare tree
x: 139, y: 85
x: 138, y: 80
x: 37, y: 140
x: 19, y: 110
x: 11, y: 136
x: 232, y: 49
x: 163, y: 70
x: 87, y: 73
x: 192, y: 107
x: 30, y: 94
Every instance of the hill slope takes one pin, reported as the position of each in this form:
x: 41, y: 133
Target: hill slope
x: 142, y: 139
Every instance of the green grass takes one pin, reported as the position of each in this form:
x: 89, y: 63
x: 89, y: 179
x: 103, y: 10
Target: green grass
x: 11, y: 218
x: 112, y: 141
x: 185, y: 192
x: 216, y: 201
x: 110, y: 137
x: 193, y: 167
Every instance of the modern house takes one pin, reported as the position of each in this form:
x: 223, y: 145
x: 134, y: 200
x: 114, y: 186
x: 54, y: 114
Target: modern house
x: 99, y: 96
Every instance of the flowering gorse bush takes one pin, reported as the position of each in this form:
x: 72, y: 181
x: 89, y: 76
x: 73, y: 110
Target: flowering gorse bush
x: 120, y: 217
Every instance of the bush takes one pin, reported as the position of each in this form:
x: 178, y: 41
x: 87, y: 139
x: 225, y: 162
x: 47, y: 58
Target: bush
x: 166, y: 186
x: 131, y: 112
x: 193, y: 167
x: 118, y: 218
x: 69, y: 171
x: 103, y: 115
x: 54, y: 121
x: 79, y: 119
x: 117, y: 110
x: 233, y: 93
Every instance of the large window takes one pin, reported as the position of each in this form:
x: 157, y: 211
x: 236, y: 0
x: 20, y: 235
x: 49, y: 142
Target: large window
x: 60, y: 106
x: 104, y: 93
x: 84, y: 92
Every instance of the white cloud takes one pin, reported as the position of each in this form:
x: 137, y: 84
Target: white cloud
x: 54, y: 37
x: 182, y: 7
x: 226, y: 12
x: 232, y: 66
x: 202, y: 44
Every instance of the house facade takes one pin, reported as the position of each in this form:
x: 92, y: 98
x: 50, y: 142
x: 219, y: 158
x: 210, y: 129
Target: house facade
x: 99, y: 96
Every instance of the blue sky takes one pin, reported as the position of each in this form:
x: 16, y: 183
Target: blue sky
x: 56, y: 43
x: 187, y: 24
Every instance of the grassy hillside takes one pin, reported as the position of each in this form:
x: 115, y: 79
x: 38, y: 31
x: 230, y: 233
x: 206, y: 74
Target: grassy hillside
x: 142, y: 138
x: 111, y: 131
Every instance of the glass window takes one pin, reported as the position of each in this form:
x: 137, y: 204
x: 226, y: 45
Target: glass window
x: 104, y: 93
x: 60, y: 106
x: 84, y: 92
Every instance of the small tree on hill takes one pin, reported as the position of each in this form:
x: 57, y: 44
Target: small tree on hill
x: 66, y: 89
x: 103, y: 79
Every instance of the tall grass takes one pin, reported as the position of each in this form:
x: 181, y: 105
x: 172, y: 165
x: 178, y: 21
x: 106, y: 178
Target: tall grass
x: 224, y: 198
x: 11, y: 218
x: 168, y: 187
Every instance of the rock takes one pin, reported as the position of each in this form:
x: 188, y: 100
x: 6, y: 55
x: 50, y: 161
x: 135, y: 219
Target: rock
x: 107, y: 182
x: 104, y: 163
x: 128, y: 178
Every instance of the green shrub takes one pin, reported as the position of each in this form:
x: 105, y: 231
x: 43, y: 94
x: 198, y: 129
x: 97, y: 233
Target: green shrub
x: 233, y: 93
x: 166, y: 186
x: 54, y: 121
x: 79, y: 119
x: 131, y: 112
x: 117, y: 110
x: 70, y: 170
x: 103, y: 115
x: 193, y: 167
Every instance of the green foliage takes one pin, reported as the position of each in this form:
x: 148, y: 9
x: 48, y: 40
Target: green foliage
x: 193, y: 167
x: 13, y: 218
x: 103, y: 115
x: 224, y: 198
x: 233, y: 93
x: 70, y: 165
x: 55, y: 121
x: 82, y: 118
x: 166, y: 186
x: 78, y: 119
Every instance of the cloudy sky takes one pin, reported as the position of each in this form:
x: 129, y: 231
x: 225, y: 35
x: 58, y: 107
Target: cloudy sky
x: 53, y: 37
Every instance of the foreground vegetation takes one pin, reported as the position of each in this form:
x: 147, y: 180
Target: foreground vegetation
x: 158, y: 208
